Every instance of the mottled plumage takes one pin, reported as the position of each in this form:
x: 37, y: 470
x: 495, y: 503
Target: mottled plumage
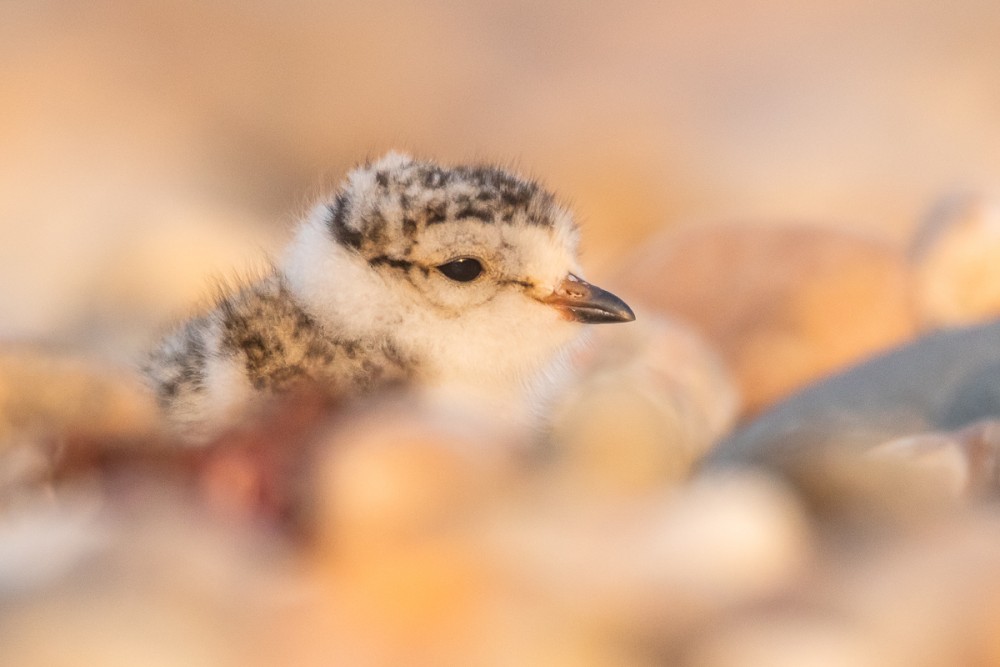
x: 456, y: 279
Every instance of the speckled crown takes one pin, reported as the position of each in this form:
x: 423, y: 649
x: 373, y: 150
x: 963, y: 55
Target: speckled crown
x: 397, y: 197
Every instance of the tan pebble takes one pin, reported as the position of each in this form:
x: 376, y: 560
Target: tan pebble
x: 937, y: 458
x: 534, y: 634
x: 956, y: 258
x: 414, y: 603
x: 729, y: 537
x: 52, y: 394
x: 163, y: 590
x: 616, y: 436
x: 956, y: 464
x: 930, y: 598
x: 792, y: 640
x: 649, y: 400
x: 396, y: 472
x: 662, y: 564
x: 112, y: 633
x: 784, y: 304
x: 905, y: 483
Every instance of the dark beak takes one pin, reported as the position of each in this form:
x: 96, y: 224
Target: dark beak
x: 579, y: 300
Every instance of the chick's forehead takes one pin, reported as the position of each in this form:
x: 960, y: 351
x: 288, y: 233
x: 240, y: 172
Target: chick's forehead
x: 393, y: 205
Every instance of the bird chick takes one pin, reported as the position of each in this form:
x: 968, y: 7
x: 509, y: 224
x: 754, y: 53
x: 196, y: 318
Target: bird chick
x: 460, y: 280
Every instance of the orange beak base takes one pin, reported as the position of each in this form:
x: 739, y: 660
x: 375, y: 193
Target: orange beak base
x: 580, y: 301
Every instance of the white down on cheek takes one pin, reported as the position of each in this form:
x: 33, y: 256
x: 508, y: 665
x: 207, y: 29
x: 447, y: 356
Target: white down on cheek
x: 492, y: 338
x: 493, y: 356
x: 338, y: 286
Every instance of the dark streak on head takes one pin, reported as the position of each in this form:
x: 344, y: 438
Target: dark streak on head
x: 337, y: 222
x: 398, y: 200
x: 375, y: 224
x: 385, y: 260
x: 434, y: 177
x: 477, y: 213
x: 437, y: 213
x: 520, y: 283
x: 516, y: 196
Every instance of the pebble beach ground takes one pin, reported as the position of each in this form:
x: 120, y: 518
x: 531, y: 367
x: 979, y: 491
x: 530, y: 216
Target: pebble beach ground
x: 782, y: 193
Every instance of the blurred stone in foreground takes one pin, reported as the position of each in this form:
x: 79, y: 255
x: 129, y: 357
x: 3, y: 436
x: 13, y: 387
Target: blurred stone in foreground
x: 513, y: 574
x: 50, y: 400
x: 942, y: 382
x: 154, y: 584
x: 396, y: 469
x: 904, y: 578
x: 50, y: 393
x: 966, y: 461
x: 648, y: 401
x: 783, y: 305
x: 956, y: 258
x: 394, y: 531
x: 437, y: 538
x: 787, y: 640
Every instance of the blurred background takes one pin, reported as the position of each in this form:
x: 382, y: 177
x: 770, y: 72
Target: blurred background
x: 145, y: 146
x: 803, y: 183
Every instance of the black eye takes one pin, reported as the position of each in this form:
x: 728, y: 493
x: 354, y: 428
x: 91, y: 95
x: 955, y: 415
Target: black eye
x: 463, y: 270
